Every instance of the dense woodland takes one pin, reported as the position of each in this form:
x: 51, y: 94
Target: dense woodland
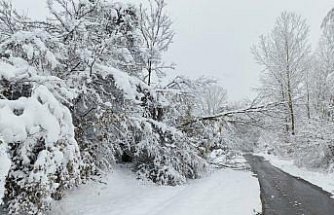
x: 80, y: 93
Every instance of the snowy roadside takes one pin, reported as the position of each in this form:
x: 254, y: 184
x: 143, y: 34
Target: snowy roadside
x: 320, y: 179
x: 224, y: 192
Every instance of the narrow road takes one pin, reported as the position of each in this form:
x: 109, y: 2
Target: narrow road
x: 283, y: 194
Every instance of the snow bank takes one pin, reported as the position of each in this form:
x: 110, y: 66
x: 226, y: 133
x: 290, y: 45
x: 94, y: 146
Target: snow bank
x: 224, y: 192
x: 320, y: 179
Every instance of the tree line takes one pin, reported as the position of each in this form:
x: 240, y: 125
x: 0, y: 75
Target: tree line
x: 301, y: 78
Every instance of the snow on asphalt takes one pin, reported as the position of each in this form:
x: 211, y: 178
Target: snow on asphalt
x: 224, y: 192
x: 320, y: 179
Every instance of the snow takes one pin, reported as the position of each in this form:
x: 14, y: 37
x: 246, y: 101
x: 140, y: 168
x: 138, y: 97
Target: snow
x: 41, y: 114
x: 229, y: 158
x: 29, y: 50
x: 50, y: 116
x: 225, y: 191
x: 33, y: 46
x: 125, y: 82
x: 9, y: 72
x: 320, y: 179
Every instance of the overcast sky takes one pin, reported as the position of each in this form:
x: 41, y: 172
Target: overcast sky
x: 213, y: 37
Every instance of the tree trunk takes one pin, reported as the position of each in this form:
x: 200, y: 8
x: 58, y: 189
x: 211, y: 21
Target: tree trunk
x: 289, y: 93
x: 285, y: 118
x: 308, y: 102
x: 290, y: 104
x: 149, y: 72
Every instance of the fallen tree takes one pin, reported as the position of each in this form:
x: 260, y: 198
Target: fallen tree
x: 269, y: 108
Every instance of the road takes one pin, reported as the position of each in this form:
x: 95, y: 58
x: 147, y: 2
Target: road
x: 283, y: 194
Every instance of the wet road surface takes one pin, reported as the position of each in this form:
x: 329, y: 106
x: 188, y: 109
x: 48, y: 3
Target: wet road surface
x: 283, y: 194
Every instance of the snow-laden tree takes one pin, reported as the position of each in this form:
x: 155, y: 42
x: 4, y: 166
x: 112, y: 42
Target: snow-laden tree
x: 189, y: 101
x: 314, y: 146
x: 212, y: 99
x: 73, y: 103
x: 284, y: 54
x: 311, y: 92
x: 11, y: 20
x: 322, y: 72
x: 36, y: 126
x: 157, y: 33
x: 189, y: 98
x: 97, y: 38
x: 97, y: 31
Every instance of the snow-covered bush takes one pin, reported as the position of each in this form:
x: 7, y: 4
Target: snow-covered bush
x: 38, y: 129
x: 163, y: 154
x: 314, y: 145
x: 219, y: 156
x: 117, y: 102
x: 106, y: 97
x: 45, y: 156
x: 35, y: 124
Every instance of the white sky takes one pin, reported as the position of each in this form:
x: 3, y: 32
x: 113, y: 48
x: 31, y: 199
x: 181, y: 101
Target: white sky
x: 214, y: 36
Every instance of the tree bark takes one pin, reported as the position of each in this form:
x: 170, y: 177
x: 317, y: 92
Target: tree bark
x: 285, y: 118
x: 290, y: 104
x: 289, y: 90
x: 149, y: 72
x: 308, y: 102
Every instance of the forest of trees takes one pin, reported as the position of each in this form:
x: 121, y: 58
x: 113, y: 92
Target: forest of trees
x: 302, y: 80
x: 79, y: 94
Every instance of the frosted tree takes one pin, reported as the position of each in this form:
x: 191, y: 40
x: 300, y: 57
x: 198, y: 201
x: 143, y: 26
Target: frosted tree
x: 156, y: 30
x: 115, y: 100
x: 11, y: 20
x: 35, y: 122
x: 315, y: 147
x: 72, y: 100
x: 193, y: 98
x: 283, y: 55
x: 212, y: 99
x: 323, y: 70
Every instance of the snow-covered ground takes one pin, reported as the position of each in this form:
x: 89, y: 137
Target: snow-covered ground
x: 224, y: 192
x: 320, y: 179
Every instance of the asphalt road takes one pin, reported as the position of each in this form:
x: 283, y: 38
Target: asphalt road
x: 283, y: 194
